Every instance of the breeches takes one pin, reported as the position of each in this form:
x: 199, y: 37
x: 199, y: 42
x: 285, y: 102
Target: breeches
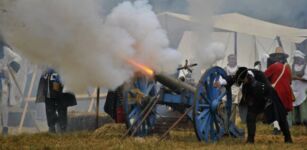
x: 56, y: 113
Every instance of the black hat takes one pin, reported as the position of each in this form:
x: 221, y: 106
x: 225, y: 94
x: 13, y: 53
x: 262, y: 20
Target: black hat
x: 257, y: 63
x: 279, y: 57
x: 240, y: 75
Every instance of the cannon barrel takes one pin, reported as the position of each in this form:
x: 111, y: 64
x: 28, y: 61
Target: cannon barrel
x: 174, y: 84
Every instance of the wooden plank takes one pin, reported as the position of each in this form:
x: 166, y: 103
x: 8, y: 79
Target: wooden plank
x: 90, y: 108
x: 27, y: 103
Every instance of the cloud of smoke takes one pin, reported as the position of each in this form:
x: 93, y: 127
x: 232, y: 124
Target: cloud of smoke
x: 87, y: 48
x: 207, y: 52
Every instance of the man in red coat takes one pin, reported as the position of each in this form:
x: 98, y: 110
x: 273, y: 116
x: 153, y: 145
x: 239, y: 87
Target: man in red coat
x: 282, y: 86
x: 279, y: 74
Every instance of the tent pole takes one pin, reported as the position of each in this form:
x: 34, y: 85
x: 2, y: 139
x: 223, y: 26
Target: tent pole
x: 279, y: 41
x: 236, y: 44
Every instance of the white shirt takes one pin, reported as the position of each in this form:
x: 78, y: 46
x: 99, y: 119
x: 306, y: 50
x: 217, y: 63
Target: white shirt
x: 299, y: 87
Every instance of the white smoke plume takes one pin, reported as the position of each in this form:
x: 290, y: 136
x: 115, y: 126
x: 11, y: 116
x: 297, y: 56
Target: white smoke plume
x: 85, y: 47
x: 207, y: 52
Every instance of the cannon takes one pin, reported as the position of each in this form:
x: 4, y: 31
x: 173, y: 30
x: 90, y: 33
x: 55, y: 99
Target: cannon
x: 201, y: 103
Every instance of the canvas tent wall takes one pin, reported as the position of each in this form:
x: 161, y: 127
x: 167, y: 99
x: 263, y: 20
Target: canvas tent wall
x: 232, y: 22
x: 254, y: 37
x: 246, y: 47
x: 248, y: 25
x: 250, y: 48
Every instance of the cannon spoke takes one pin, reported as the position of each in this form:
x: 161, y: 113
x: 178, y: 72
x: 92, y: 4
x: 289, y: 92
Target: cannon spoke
x: 148, y: 89
x: 204, y: 122
x: 207, y: 128
x: 204, y: 105
x: 133, y: 112
x: 215, y: 128
x: 205, y: 98
x: 202, y: 114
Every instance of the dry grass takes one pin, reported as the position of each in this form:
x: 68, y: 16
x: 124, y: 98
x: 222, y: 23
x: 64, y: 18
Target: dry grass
x: 109, y: 137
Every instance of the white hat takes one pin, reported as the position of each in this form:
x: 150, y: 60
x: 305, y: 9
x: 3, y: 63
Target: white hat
x: 298, y: 53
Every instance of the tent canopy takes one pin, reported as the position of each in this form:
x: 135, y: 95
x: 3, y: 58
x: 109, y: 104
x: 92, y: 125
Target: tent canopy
x: 234, y: 22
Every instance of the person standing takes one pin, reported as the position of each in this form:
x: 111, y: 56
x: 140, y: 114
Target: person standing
x: 279, y: 74
x: 299, y: 85
x: 232, y: 65
x: 50, y: 91
x: 9, y: 65
x: 231, y: 69
x: 5, y: 95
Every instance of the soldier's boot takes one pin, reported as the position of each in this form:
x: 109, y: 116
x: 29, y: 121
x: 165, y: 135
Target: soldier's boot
x: 5, y: 131
x: 284, y: 126
x: 251, y: 127
x: 251, y: 133
x: 250, y: 139
x: 62, y: 128
x: 52, y: 129
x: 288, y: 139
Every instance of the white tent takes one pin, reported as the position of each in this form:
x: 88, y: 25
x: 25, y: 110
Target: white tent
x: 254, y: 37
x: 244, y: 24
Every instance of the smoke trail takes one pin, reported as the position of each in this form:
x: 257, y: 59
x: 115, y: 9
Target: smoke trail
x: 207, y: 51
x: 87, y: 48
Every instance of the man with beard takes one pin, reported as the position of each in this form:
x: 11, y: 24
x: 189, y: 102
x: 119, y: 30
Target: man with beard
x: 299, y: 85
x: 260, y: 98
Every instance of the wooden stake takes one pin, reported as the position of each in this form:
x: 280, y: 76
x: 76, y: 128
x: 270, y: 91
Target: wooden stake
x: 175, y: 123
x: 97, y: 108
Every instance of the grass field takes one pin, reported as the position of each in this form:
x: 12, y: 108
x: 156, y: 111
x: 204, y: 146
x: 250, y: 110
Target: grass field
x: 109, y: 137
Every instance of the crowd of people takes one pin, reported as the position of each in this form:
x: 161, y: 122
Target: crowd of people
x: 276, y: 90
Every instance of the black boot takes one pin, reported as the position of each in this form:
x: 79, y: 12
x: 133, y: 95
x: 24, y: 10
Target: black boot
x: 52, y: 129
x: 5, y: 131
x: 288, y: 139
x: 285, y: 129
x: 62, y: 129
x: 251, y: 127
x: 250, y: 140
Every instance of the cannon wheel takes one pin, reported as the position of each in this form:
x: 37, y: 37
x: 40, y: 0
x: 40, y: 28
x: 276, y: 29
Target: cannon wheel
x: 134, y: 105
x: 208, y: 124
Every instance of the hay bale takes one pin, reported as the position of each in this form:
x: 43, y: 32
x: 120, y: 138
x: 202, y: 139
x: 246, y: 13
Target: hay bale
x: 110, y: 130
x: 86, y: 121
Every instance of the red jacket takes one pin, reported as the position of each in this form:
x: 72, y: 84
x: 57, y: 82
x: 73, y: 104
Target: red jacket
x: 283, y: 86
